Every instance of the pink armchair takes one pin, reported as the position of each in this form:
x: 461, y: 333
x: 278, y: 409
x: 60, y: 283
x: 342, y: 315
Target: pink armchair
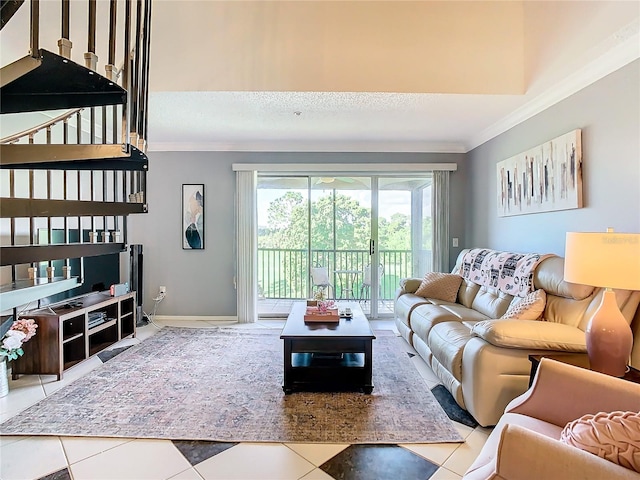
x: 525, y: 443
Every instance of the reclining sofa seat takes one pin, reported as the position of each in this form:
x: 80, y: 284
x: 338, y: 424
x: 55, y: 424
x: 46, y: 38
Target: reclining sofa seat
x: 484, y: 360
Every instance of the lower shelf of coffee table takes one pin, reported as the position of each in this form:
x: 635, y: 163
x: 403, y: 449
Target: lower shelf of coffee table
x: 327, y: 360
x: 328, y: 372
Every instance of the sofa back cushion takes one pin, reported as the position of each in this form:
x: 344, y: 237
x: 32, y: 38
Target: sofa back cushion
x: 566, y: 310
x: 549, y: 276
x: 467, y: 292
x: 491, y: 302
x: 574, y: 304
x: 567, y: 303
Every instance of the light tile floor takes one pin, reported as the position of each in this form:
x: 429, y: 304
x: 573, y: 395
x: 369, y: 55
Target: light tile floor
x: 57, y: 458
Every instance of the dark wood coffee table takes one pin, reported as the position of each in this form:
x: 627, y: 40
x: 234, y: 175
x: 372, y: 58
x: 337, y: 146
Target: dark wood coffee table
x: 327, y: 356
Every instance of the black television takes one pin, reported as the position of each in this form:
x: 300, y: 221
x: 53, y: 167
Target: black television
x: 99, y: 273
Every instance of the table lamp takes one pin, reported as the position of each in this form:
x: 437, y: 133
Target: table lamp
x: 609, y: 260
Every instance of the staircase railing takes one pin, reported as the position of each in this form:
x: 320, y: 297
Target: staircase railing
x: 81, y: 171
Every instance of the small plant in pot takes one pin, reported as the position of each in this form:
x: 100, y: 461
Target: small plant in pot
x: 317, y: 298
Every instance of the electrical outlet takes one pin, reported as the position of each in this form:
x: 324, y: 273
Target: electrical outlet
x: 454, y: 242
x: 163, y: 289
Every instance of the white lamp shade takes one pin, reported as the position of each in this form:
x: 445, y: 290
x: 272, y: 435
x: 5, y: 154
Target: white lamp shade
x: 605, y: 259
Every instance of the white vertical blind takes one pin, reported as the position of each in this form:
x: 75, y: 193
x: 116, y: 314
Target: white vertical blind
x: 246, y: 249
x: 440, y: 217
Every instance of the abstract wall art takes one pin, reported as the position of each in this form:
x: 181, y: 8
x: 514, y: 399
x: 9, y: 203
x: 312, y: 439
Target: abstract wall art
x: 543, y: 179
x: 193, y: 216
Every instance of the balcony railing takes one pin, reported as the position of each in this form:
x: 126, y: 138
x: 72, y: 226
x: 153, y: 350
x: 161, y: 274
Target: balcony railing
x: 284, y: 273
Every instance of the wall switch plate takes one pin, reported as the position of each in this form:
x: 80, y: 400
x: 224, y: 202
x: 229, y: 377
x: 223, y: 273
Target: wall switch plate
x: 454, y: 242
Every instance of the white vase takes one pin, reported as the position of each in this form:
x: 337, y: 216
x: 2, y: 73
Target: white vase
x: 4, y: 379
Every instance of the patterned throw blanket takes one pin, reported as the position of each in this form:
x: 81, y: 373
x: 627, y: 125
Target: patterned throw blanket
x: 511, y: 273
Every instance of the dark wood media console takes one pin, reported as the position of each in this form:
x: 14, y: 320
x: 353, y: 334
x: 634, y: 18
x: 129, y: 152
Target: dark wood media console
x: 74, y: 330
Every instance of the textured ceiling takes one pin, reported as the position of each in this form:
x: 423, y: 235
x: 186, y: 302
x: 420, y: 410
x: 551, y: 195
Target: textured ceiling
x: 560, y: 47
x: 322, y: 121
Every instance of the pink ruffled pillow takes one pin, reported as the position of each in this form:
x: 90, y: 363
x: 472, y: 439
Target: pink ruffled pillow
x: 614, y: 436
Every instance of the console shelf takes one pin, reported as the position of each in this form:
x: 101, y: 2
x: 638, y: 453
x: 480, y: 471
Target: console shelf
x: 64, y: 337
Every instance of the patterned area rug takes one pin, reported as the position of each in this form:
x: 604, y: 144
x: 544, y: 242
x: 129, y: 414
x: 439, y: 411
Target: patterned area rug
x: 225, y: 385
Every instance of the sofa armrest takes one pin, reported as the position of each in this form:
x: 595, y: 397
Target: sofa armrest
x: 531, y: 334
x: 527, y: 455
x: 573, y: 392
x: 409, y: 285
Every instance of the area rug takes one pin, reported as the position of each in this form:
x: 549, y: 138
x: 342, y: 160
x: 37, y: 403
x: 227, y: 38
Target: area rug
x: 226, y: 385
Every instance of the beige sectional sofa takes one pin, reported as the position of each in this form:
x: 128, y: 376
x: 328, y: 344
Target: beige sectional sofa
x: 484, y: 360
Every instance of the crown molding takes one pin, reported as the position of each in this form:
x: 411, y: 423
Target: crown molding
x: 302, y: 146
x: 614, y: 59
x: 344, y: 167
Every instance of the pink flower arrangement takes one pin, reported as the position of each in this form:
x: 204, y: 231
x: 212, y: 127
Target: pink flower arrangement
x: 325, y: 305
x: 20, y: 332
x: 322, y: 306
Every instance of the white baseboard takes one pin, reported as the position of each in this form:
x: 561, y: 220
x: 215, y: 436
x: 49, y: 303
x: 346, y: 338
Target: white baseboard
x: 196, y: 318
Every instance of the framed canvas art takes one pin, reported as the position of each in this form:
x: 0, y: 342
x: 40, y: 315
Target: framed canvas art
x: 193, y: 216
x: 543, y: 179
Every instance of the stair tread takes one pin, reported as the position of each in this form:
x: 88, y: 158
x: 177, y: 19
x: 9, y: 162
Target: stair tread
x: 73, y: 157
x: 68, y: 85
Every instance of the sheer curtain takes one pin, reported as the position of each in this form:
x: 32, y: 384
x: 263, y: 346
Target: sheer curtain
x: 246, y: 248
x: 440, y: 217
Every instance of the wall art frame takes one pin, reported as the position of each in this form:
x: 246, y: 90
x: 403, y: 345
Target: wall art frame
x: 545, y: 178
x: 193, y: 226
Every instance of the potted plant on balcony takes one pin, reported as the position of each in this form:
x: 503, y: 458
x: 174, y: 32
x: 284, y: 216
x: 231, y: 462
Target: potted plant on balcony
x: 319, y: 296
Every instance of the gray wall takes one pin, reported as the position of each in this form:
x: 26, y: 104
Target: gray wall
x: 200, y: 283
x: 608, y: 112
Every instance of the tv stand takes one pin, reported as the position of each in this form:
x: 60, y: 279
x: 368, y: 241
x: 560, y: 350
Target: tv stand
x: 73, y: 330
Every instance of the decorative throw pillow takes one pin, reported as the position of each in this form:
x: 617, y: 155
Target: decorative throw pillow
x: 614, y: 436
x: 527, y: 308
x: 443, y: 286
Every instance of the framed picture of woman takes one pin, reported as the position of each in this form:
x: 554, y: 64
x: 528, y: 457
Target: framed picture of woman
x: 192, y: 216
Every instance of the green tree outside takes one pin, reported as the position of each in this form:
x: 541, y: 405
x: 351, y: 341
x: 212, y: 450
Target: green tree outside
x: 348, y: 229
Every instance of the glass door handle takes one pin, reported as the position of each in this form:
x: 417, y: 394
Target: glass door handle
x: 372, y: 246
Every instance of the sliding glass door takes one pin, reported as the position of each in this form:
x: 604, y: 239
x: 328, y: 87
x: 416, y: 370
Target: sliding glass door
x: 352, y: 237
x: 283, y: 242
x: 404, y: 233
x: 340, y: 230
